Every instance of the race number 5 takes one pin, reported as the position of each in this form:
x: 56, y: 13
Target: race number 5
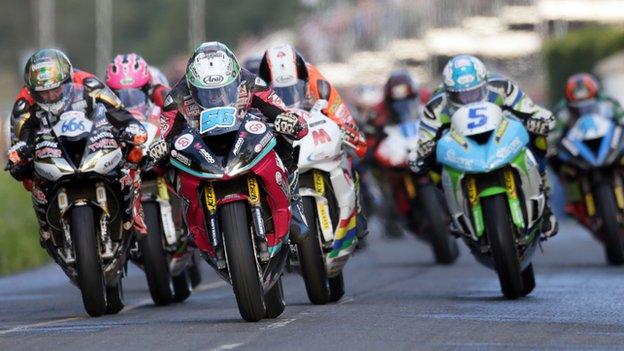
x: 476, y: 113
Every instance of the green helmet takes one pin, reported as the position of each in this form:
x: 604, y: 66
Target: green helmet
x: 213, y: 75
x: 47, y: 69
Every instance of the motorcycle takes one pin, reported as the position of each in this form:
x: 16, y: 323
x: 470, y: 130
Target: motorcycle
x: 327, y: 189
x: 163, y: 253
x: 493, y: 189
x: 590, y: 155
x: 418, y: 199
x: 235, y: 188
x: 86, y: 195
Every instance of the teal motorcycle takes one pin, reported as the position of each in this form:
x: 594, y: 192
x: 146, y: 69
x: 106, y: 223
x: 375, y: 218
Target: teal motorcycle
x: 494, y: 192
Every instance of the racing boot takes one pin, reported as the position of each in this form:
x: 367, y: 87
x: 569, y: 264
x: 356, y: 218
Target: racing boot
x: 550, y: 226
x: 299, y: 229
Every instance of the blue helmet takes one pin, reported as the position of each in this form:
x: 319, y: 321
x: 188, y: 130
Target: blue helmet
x: 465, y: 79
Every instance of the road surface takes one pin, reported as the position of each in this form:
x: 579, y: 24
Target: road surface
x: 396, y: 299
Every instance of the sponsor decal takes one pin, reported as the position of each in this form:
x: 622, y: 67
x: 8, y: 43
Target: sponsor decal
x: 183, y: 141
x: 266, y: 138
x: 158, y: 150
x: 503, y: 152
x: 452, y: 157
x: 103, y: 144
x: 115, y: 160
x: 48, y: 152
x: 237, y: 146
x: 258, y: 148
x: 100, y: 135
x: 206, y: 156
x: 317, y: 123
x: 255, y: 127
x: 320, y: 136
x: 46, y: 143
x: 183, y: 159
x: 213, y: 79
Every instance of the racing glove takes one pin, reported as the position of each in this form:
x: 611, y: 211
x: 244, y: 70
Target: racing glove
x: 19, y: 157
x: 541, y: 123
x: 353, y: 138
x: 291, y: 124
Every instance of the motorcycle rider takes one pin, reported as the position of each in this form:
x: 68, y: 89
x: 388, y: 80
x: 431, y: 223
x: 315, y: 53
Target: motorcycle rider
x: 300, y: 84
x: 52, y: 87
x: 131, y: 71
x: 466, y: 80
x: 582, y: 92
x: 237, y: 87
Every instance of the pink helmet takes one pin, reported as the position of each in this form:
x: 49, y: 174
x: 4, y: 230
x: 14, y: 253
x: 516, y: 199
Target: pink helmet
x: 127, y: 72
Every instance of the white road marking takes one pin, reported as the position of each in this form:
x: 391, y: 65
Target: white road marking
x: 21, y: 328
x: 347, y: 300
x: 279, y: 324
x: 228, y: 347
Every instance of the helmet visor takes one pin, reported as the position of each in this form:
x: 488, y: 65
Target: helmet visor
x: 468, y: 96
x: 406, y: 110
x: 51, y: 96
x: 293, y: 96
x: 216, y: 97
x: 132, y: 98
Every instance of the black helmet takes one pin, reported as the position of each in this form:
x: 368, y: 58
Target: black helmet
x: 46, y: 73
x: 213, y: 75
x: 401, y: 95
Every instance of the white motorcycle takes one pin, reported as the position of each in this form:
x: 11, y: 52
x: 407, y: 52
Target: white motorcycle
x: 328, y: 194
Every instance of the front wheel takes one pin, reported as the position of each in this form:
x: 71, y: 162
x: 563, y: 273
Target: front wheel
x: 435, y: 219
x: 311, y: 258
x: 274, y: 300
x: 241, y: 261
x: 182, y: 286
x: 336, y: 288
x: 500, y: 233
x: 607, y: 209
x: 154, y: 257
x: 88, y: 267
x: 114, y: 298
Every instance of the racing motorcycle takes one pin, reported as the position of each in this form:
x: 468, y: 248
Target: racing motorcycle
x: 590, y: 154
x: 418, y: 199
x: 86, y: 194
x: 236, y: 192
x: 162, y: 253
x: 327, y: 189
x: 494, y: 193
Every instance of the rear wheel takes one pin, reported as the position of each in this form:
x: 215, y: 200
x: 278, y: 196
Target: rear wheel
x: 114, y: 298
x: 436, y: 224
x: 336, y: 288
x: 241, y: 261
x: 274, y: 300
x: 88, y: 267
x: 311, y: 258
x: 500, y: 231
x: 607, y: 209
x: 154, y: 257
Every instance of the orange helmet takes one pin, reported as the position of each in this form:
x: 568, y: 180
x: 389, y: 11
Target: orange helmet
x: 581, y: 86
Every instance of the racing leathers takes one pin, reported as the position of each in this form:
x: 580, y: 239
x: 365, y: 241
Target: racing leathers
x: 336, y: 109
x: 29, y: 122
x: 181, y: 110
x: 508, y: 96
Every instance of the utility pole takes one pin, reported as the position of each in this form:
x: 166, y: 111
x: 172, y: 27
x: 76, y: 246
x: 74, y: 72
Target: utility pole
x: 103, y: 34
x: 196, y: 23
x: 45, y: 23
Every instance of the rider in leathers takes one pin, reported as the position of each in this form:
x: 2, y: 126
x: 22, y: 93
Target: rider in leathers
x: 300, y: 84
x: 239, y: 88
x: 52, y: 87
x: 466, y: 81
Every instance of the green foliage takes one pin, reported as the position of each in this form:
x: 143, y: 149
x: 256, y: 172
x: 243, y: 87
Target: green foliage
x: 577, y: 52
x: 19, y: 231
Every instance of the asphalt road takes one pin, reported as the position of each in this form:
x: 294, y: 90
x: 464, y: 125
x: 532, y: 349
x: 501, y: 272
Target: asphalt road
x: 396, y: 299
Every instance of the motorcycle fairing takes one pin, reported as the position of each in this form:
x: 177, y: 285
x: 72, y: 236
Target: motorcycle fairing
x: 465, y: 154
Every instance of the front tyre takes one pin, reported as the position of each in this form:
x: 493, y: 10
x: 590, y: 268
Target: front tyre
x: 154, y: 256
x: 336, y: 288
x: 500, y: 233
x: 274, y: 300
x: 88, y: 267
x: 182, y: 286
x: 114, y: 298
x: 241, y: 261
x: 436, y: 224
x: 311, y: 258
x: 607, y: 210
